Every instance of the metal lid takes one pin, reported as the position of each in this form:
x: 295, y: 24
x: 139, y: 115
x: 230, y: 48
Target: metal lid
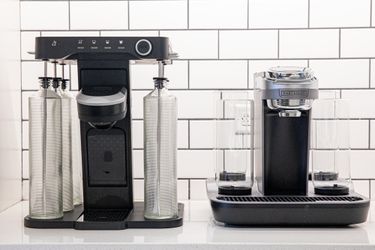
x: 289, y: 74
x: 287, y: 83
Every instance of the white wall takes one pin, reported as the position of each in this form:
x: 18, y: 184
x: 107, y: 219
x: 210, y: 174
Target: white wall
x: 221, y: 44
x: 10, y: 103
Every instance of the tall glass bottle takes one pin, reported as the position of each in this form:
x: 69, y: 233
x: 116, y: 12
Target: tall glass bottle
x: 60, y: 85
x: 45, y: 196
x: 160, y: 151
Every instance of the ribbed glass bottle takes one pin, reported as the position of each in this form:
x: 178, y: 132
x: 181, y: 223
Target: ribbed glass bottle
x: 66, y: 125
x: 160, y: 150
x: 45, y: 194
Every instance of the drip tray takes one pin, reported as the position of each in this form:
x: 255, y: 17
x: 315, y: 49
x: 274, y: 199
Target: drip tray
x: 310, y: 210
x: 106, y: 219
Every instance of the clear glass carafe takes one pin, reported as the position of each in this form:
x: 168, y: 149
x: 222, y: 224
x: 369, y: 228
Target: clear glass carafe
x: 45, y: 194
x: 330, y: 146
x: 160, y: 152
x: 234, y: 137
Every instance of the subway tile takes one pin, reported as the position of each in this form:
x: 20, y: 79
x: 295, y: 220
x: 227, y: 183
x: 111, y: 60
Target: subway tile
x: 25, y: 164
x: 208, y: 14
x: 359, y: 134
x: 25, y: 103
x: 158, y: 14
x: 248, y: 44
x: 138, y: 170
x: 202, y: 134
x: 25, y: 190
x: 340, y: 13
x: 70, y: 33
x: 98, y: 15
x: 137, y: 103
x: 25, y: 135
x: 30, y: 73
x: 193, y: 44
x: 138, y: 190
x: 372, y: 73
x: 361, y: 103
x: 264, y: 65
x: 198, y: 190
x: 372, y: 135
x: 373, y: 14
x: 195, y: 163
x: 141, y: 75
x: 278, y: 14
x: 362, y: 163
x: 362, y: 187
x: 73, y: 77
x: 309, y: 43
x: 196, y: 104
x: 182, y: 190
x: 357, y: 43
x: 44, y: 15
x: 218, y: 74
x: 130, y: 33
x: 372, y: 190
x: 182, y: 134
x: 341, y: 73
x: 177, y: 74
x: 28, y: 44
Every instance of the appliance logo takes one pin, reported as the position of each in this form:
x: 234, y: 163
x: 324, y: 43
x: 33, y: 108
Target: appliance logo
x: 301, y: 93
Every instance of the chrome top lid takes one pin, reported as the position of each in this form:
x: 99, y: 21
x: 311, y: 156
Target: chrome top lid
x: 289, y: 74
x: 287, y: 83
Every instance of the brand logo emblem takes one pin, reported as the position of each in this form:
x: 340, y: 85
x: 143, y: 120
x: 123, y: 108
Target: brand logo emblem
x: 300, y: 93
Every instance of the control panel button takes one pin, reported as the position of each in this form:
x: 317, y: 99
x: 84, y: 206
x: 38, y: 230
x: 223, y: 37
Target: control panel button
x: 143, y: 47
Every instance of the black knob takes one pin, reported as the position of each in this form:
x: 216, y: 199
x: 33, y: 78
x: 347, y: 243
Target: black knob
x: 143, y: 47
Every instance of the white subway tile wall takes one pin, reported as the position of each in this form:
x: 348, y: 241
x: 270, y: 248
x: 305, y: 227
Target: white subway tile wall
x: 221, y: 44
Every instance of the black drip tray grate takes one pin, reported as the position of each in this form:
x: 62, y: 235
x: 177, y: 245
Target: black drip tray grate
x: 292, y: 199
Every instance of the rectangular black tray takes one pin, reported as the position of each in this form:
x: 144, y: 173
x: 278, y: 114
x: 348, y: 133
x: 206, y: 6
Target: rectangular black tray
x: 106, y: 220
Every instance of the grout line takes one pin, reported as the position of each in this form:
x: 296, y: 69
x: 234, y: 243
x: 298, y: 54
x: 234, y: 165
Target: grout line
x: 369, y: 73
x: 218, y: 44
x: 189, y: 134
x: 208, y: 29
x: 339, y: 43
x: 369, y: 134
x: 371, y: 13
x: 188, y: 74
x: 278, y: 44
x: 188, y: 14
x: 308, y: 14
x: 248, y: 14
x: 69, y: 21
x: 128, y: 15
x: 189, y: 189
x: 248, y: 73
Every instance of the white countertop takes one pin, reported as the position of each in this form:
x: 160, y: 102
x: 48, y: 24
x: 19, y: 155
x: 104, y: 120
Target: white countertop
x: 198, y: 232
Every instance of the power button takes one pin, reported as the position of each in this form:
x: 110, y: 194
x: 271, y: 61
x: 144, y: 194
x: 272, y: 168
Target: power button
x: 143, y: 47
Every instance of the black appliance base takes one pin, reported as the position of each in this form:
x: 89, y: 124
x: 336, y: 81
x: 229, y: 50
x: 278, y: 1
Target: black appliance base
x: 106, y: 220
x: 307, y: 211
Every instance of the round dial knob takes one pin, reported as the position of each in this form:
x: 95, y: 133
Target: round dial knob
x: 143, y: 47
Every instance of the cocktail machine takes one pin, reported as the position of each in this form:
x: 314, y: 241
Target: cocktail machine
x: 276, y: 137
x: 104, y: 111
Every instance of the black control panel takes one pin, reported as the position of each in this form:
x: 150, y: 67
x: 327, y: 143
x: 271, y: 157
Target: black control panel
x: 71, y: 47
